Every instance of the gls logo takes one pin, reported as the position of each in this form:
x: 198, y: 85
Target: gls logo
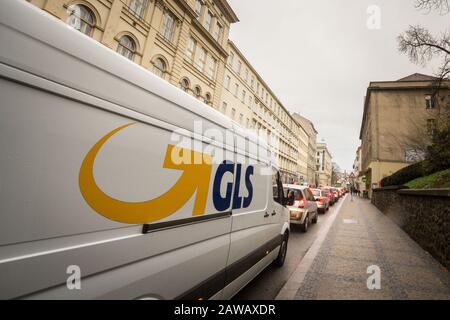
x: 194, y: 180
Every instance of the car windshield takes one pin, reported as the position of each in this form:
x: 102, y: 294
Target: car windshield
x: 292, y: 195
x: 316, y: 193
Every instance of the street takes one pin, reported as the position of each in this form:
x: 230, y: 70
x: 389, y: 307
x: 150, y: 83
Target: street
x: 267, y: 285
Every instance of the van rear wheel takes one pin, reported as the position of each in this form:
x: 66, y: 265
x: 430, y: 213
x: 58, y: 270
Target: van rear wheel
x: 279, y: 261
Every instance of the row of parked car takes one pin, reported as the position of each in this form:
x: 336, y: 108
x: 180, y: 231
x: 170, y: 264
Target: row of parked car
x: 305, y: 203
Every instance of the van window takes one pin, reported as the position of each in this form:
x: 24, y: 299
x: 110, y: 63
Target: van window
x: 277, y: 187
x: 316, y: 193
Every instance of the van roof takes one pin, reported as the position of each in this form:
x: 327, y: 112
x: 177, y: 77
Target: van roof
x: 24, y: 17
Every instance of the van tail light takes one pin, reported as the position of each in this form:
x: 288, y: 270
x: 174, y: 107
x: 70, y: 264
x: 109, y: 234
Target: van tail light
x: 302, y: 204
x: 330, y: 195
x: 322, y: 199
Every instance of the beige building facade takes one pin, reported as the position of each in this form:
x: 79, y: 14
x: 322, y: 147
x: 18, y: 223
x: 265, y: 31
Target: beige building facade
x: 312, y: 177
x: 323, y: 164
x: 182, y: 41
x: 399, y: 120
x: 248, y: 100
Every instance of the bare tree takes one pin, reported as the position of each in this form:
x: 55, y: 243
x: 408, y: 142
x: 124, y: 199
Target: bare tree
x: 421, y: 46
x: 439, y: 5
x: 335, y: 173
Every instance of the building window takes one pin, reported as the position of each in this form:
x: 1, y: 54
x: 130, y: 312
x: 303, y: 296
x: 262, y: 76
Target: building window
x: 231, y: 59
x: 208, y: 20
x: 239, y: 67
x: 212, y: 68
x: 431, y: 126
x: 190, y: 51
x: 82, y: 19
x: 227, y: 82
x: 202, y: 59
x: 218, y: 32
x: 184, y: 84
x: 246, y: 75
x: 243, y: 96
x: 236, y: 90
x: 137, y: 7
x: 198, y: 8
x: 126, y: 47
x: 429, y: 101
x: 241, y: 118
x: 224, y: 107
x: 198, y: 92
x: 250, y: 100
x: 159, y: 67
x: 208, y: 98
x: 233, y: 113
x: 168, y: 26
x: 252, y: 83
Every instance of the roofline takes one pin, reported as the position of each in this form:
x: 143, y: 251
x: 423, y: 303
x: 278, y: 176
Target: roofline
x: 228, y: 10
x: 428, y: 84
x: 233, y: 45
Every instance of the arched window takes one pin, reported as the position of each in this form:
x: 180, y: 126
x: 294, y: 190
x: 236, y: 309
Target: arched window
x: 197, y: 91
x: 82, y: 19
x: 159, y: 67
x: 127, y: 47
x: 184, y: 84
x: 208, y: 98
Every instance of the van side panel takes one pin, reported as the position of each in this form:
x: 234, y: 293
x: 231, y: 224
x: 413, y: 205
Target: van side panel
x: 46, y: 225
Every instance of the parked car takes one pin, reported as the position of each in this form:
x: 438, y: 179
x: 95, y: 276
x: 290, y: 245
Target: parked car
x: 302, y: 205
x: 330, y: 195
x: 335, y: 193
x: 322, y: 200
x: 66, y: 98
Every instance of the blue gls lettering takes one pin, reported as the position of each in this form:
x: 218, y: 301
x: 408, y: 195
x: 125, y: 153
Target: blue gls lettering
x: 249, y: 186
x: 220, y: 203
x: 223, y: 203
x: 237, y: 200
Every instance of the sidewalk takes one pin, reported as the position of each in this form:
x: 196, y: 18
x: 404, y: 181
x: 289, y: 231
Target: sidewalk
x: 359, y: 237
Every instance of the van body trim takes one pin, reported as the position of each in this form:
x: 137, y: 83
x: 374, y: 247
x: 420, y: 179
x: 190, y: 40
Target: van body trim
x: 223, y: 278
x: 147, y: 228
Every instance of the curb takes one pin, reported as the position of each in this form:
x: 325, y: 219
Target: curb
x: 295, y: 281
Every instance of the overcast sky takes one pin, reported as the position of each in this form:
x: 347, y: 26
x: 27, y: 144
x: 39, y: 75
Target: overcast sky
x: 319, y: 57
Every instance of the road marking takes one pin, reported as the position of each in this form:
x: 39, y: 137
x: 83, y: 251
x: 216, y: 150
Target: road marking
x: 295, y: 281
x: 350, y: 221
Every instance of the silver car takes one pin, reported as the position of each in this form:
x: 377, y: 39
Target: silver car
x: 302, y: 205
x: 322, y: 200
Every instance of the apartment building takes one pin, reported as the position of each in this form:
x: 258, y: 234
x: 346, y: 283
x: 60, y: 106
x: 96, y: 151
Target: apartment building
x: 398, y: 122
x: 312, y: 175
x: 247, y: 99
x: 323, y: 164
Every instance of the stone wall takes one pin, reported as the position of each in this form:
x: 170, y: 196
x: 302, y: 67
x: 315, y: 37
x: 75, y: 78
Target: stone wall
x: 423, y: 214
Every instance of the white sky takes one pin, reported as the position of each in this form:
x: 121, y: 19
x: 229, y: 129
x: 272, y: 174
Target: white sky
x: 319, y: 57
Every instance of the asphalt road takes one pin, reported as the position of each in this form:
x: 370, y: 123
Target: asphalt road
x: 269, y: 282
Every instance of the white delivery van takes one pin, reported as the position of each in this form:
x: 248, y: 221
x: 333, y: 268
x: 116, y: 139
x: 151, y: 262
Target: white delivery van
x: 108, y: 190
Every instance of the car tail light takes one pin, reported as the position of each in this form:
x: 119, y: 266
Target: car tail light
x: 322, y: 199
x: 302, y: 204
x: 330, y: 195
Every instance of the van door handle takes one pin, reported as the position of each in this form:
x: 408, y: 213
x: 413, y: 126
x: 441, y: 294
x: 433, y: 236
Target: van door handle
x: 266, y: 215
x: 274, y: 213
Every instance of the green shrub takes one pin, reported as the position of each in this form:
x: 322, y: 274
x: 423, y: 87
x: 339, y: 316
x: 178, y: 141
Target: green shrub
x: 439, y: 152
x: 407, y: 174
